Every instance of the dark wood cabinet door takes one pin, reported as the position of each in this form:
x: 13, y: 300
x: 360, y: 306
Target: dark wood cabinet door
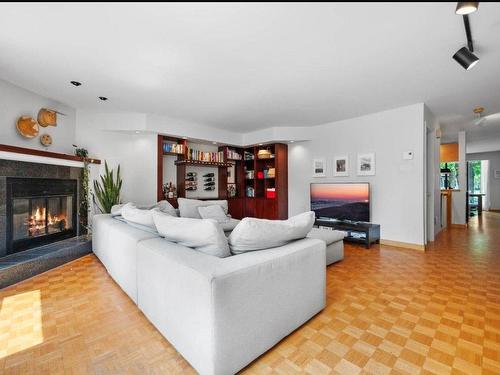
x: 266, y: 208
x: 236, y: 207
x: 250, y: 207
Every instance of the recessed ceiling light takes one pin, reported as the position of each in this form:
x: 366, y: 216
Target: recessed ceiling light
x: 184, y: 137
x: 466, y: 7
x: 214, y: 143
x: 76, y: 83
x: 137, y: 132
x: 260, y: 144
x: 103, y: 98
x: 465, y: 58
x: 292, y: 141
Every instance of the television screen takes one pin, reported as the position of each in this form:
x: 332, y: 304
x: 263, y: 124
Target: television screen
x: 348, y: 201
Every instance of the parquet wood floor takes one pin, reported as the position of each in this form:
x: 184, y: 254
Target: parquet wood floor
x: 389, y: 311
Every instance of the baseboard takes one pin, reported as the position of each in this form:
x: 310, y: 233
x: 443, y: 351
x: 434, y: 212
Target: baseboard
x: 405, y: 245
x: 459, y: 226
x: 498, y: 211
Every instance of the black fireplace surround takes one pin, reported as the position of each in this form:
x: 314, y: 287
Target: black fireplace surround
x: 39, y: 211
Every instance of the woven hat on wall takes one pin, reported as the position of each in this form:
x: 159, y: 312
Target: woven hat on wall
x: 47, y: 117
x: 27, y: 127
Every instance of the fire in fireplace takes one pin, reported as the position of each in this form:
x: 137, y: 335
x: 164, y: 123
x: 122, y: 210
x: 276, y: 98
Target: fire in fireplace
x: 39, y: 211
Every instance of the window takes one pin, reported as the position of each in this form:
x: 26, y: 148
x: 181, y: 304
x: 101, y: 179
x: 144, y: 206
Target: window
x: 451, y: 177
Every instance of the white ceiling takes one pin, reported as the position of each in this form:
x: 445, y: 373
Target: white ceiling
x: 246, y: 66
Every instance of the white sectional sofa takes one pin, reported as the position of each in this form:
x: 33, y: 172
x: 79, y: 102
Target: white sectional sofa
x: 219, y: 313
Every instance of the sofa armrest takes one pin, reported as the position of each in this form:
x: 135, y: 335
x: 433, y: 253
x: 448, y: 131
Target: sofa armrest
x: 260, y: 300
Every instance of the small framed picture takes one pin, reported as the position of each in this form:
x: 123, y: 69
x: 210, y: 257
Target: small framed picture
x: 497, y: 173
x: 366, y: 164
x: 319, y: 167
x: 341, y: 166
x: 231, y: 174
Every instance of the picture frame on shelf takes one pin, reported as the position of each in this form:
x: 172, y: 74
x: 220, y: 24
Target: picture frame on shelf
x: 231, y: 173
x: 366, y: 164
x: 341, y: 166
x: 319, y: 167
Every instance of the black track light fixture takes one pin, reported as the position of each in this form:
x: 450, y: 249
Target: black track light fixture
x: 76, y: 83
x: 103, y: 98
x: 466, y: 7
x: 465, y: 58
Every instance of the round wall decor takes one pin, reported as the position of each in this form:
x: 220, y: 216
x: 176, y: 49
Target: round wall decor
x: 46, y: 140
x: 27, y: 127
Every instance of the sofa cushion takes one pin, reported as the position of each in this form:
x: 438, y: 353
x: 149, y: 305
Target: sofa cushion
x: 163, y: 206
x: 204, y: 235
x: 189, y: 207
x: 135, y: 215
x: 215, y: 212
x: 327, y: 235
x: 229, y: 225
x: 257, y: 234
x: 144, y: 228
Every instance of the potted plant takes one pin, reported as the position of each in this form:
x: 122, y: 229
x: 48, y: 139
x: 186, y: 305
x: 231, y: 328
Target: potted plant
x: 107, y: 190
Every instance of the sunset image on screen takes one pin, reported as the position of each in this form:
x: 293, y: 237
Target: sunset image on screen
x: 341, y: 201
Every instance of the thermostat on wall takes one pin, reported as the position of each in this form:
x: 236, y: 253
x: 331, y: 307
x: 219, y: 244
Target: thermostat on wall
x: 408, y: 155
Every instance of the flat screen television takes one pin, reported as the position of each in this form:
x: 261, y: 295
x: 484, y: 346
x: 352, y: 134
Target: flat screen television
x: 341, y: 201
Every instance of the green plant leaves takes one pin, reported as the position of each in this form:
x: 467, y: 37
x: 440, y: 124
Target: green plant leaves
x: 107, y: 190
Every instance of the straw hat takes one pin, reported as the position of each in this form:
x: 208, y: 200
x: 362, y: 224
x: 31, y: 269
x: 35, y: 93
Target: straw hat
x: 47, y: 117
x: 27, y: 127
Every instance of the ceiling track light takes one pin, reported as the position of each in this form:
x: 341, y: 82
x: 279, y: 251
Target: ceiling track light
x: 103, y: 98
x: 466, y: 7
x: 75, y: 83
x: 465, y: 58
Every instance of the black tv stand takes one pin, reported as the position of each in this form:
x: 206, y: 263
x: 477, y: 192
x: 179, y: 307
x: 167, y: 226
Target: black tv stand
x: 358, y: 232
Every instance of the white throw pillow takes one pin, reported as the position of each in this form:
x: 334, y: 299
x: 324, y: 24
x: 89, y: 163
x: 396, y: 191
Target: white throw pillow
x: 163, y: 206
x: 138, y: 216
x: 257, y: 234
x: 215, y: 212
x: 204, y: 235
x: 189, y: 207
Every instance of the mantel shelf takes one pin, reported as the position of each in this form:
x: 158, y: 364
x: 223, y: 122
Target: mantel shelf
x: 202, y: 163
x: 47, y: 154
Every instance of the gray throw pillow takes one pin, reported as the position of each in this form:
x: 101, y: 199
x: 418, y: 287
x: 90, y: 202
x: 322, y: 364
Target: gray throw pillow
x: 204, y: 235
x: 257, y: 234
x: 189, y: 207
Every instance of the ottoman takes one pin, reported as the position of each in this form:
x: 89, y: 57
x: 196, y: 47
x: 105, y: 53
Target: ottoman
x: 334, y: 243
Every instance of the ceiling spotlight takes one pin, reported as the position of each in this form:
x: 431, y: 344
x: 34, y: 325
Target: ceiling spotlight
x: 292, y: 141
x: 76, y: 83
x: 466, y: 7
x: 465, y: 58
x: 137, y: 132
x: 214, y: 143
x: 103, y: 98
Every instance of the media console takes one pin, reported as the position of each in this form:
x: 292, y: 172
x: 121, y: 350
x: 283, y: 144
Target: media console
x: 365, y: 233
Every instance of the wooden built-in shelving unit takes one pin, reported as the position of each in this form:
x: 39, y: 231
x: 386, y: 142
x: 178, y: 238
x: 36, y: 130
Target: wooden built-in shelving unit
x: 270, y: 191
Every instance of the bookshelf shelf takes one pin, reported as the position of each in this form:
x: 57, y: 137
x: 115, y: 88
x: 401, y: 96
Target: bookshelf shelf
x: 202, y: 163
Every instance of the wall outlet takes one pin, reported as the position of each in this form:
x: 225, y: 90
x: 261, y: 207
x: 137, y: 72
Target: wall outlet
x: 408, y: 155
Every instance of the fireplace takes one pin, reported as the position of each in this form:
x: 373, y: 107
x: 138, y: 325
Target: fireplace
x: 39, y: 211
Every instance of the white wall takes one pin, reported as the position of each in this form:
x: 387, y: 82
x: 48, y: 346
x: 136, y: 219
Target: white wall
x: 433, y: 176
x: 397, y: 188
x: 136, y: 153
x: 458, y: 213
x: 16, y: 102
x: 494, y: 184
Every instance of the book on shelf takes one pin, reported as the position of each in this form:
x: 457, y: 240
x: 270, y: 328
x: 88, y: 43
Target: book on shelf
x: 173, y: 147
x: 197, y: 155
x: 233, y: 155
